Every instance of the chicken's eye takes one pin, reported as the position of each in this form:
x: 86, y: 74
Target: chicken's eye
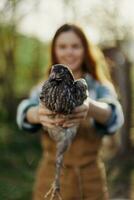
x: 62, y: 71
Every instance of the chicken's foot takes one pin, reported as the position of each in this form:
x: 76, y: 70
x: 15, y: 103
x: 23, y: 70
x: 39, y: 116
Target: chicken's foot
x: 53, y: 192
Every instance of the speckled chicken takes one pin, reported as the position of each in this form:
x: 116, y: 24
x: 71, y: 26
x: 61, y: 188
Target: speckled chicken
x: 61, y: 94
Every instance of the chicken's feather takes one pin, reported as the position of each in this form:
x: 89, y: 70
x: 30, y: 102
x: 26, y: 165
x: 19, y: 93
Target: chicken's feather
x: 61, y: 94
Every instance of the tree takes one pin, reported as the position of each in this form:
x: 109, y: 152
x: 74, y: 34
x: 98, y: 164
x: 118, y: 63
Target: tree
x: 10, y: 18
x: 108, y: 21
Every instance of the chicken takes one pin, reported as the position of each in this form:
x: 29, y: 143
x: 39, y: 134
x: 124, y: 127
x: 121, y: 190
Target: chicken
x: 61, y: 94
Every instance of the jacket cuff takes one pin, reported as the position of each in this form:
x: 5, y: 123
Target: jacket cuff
x: 21, y: 117
x: 115, y: 121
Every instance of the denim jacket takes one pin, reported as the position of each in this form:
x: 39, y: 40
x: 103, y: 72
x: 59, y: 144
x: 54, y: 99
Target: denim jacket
x: 97, y: 91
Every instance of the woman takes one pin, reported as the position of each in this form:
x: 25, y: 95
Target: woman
x: 84, y: 175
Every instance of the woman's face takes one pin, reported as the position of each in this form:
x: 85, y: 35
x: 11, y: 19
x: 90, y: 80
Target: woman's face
x: 69, y: 50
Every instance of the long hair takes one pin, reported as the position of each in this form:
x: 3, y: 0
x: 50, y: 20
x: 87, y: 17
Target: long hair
x: 93, y: 62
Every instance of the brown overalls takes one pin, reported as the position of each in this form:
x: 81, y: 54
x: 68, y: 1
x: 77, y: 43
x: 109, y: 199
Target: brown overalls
x: 83, y: 177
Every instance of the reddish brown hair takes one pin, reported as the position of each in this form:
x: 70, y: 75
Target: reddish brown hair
x: 91, y: 62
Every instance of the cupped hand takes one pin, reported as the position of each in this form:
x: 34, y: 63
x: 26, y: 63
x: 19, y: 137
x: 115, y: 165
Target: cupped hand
x: 48, y: 118
x: 79, y: 114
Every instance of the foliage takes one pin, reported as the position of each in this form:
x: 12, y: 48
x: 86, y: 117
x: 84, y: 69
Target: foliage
x: 20, y: 153
x: 22, y: 64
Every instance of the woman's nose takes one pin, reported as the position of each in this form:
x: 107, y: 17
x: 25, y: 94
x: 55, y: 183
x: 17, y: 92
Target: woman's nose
x: 69, y: 51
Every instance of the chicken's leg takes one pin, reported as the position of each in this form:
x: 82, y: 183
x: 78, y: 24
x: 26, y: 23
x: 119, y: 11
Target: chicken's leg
x: 55, y: 188
x: 62, y: 146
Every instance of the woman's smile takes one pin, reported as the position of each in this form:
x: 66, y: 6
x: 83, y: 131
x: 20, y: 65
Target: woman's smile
x: 69, y: 50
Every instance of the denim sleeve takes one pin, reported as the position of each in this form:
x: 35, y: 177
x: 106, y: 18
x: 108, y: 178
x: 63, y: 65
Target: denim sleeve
x: 116, y: 120
x: 22, y: 122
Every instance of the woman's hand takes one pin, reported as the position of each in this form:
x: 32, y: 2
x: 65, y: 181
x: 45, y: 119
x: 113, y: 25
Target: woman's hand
x: 79, y: 114
x: 100, y: 111
x: 48, y: 118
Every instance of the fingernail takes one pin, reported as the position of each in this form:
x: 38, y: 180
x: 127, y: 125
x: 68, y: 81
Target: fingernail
x: 71, y: 125
x: 64, y: 126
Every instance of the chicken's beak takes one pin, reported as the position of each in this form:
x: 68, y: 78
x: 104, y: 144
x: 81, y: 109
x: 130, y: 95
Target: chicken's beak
x: 55, y: 76
x: 52, y: 76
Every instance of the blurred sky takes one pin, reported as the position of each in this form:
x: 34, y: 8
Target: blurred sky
x: 48, y: 15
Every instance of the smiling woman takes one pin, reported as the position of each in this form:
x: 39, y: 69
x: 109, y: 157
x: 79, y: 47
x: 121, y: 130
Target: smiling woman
x: 69, y: 50
x: 100, y: 114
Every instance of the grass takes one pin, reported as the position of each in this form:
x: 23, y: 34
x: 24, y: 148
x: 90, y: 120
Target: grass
x: 19, y: 156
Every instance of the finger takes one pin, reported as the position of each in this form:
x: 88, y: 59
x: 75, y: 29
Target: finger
x: 69, y: 125
x: 81, y: 108
x: 49, y: 126
x: 72, y: 121
x: 77, y: 115
x: 61, y: 116
x: 45, y: 119
x: 59, y: 120
x: 45, y: 111
x: 79, y: 118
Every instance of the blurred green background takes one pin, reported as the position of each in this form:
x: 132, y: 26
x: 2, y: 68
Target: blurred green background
x: 25, y: 55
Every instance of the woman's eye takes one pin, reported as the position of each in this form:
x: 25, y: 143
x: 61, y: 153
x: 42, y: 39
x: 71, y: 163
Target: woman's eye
x: 76, y: 46
x: 62, y: 46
